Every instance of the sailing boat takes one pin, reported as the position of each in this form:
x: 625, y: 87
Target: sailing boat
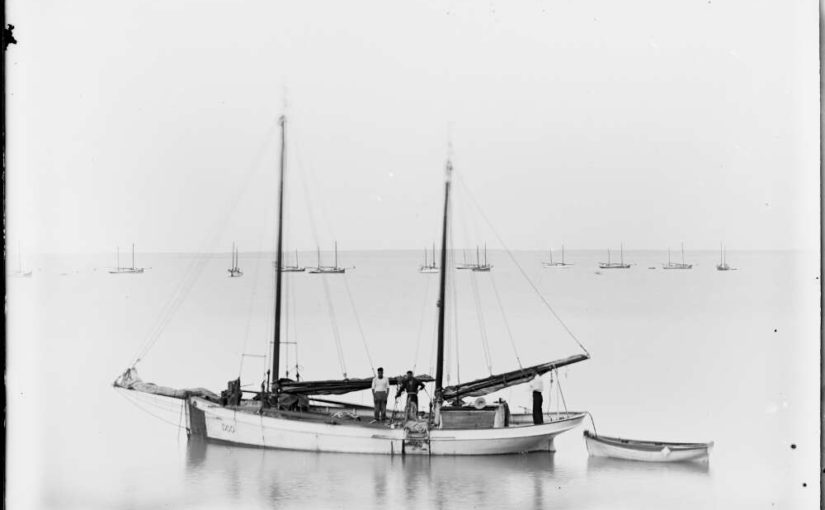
x: 615, y: 265
x: 234, y: 271
x: 431, y: 267
x: 559, y: 265
x: 20, y: 271
x: 126, y: 270
x: 723, y: 260
x: 333, y: 269
x: 283, y: 414
x: 465, y: 264
x: 485, y: 267
x: 677, y: 265
x: 292, y: 269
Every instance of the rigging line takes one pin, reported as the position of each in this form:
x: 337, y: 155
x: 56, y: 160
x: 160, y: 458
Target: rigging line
x: 358, y: 322
x: 485, y: 347
x: 256, y: 270
x: 335, y: 333
x: 561, y: 393
x: 506, y: 322
x: 521, y: 269
x: 195, y: 267
x: 421, y: 323
x: 134, y: 403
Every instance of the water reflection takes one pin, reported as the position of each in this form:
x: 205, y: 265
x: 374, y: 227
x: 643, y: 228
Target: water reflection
x: 607, y: 466
x: 323, y: 480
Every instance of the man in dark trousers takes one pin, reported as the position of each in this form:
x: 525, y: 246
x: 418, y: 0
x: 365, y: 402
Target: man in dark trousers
x: 380, y: 391
x: 537, y: 387
x: 411, y: 385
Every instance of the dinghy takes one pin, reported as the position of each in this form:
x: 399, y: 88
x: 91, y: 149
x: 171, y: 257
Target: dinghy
x: 645, y: 451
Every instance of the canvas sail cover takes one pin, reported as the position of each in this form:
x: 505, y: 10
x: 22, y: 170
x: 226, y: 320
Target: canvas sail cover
x: 336, y: 386
x: 480, y: 387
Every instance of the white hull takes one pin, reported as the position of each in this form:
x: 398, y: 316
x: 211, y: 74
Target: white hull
x: 644, y: 451
x: 227, y: 425
x: 428, y: 270
x: 556, y: 265
x: 127, y: 270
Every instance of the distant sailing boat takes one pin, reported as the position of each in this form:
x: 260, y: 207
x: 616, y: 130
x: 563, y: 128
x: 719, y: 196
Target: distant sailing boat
x: 234, y: 271
x: 560, y: 265
x: 615, y: 265
x: 126, y: 270
x: 333, y: 269
x: 465, y: 264
x: 677, y: 265
x: 20, y: 271
x: 289, y: 414
x: 485, y: 267
x: 291, y: 269
x: 431, y: 267
x: 723, y: 260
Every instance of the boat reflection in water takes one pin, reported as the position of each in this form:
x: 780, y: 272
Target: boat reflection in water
x: 251, y: 477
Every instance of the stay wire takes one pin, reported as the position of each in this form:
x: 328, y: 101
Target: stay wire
x: 460, y: 180
x: 506, y: 322
x: 358, y: 322
x: 482, y: 328
x: 195, y: 266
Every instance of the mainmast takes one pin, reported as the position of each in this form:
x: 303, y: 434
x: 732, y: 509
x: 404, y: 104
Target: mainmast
x: 439, y: 372
x: 276, y: 347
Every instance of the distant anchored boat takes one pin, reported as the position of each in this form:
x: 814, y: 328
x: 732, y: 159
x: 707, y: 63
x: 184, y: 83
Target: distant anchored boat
x: 428, y: 267
x: 723, y: 261
x: 615, y: 265
x: 234, y: 271
x: 645, y: 451
x: 333, y: 269
x: 20, y: 272
x: 677, y: 265
x: 559, y: 265
x: 483, y: 267
x: 126, y: 270
x: 291, y: 269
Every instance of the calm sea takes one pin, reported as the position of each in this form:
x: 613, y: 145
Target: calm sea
x: 695, y: 355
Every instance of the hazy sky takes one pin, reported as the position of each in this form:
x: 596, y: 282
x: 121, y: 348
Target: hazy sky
x: 584, y: 122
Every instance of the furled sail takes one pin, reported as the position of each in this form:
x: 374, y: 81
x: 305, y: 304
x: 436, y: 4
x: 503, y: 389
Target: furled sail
x: 497, y: 382
x: 336, y: 386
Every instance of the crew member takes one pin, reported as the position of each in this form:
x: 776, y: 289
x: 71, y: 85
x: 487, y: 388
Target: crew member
x: 537, y: 387
x: 411, y: 385
x: 380, y: 391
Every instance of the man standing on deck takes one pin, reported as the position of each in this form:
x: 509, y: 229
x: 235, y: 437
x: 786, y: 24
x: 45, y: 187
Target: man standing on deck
x: 537, y: 387
x: 380, y: 392
x: 411, y: 385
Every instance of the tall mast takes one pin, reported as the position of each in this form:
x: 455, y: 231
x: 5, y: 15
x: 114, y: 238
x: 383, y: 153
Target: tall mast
x: 433, y: 253
x: 133, y: 255
x: 442, y: 305
x: 485, y: 254
x: 478, y: 259
x: 276, y: 345
x: 118, y: 257
x: 336, y: 254
x: 683, y: 254
x: 668, y: 255
x: 621, y: 253
x: 562, y: 254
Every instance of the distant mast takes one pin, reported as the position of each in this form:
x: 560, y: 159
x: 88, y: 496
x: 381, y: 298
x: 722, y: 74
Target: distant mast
x: 276, y: 347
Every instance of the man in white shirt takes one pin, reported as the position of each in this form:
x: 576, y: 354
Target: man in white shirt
x: 380, y: 390
x: 537, y: 387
